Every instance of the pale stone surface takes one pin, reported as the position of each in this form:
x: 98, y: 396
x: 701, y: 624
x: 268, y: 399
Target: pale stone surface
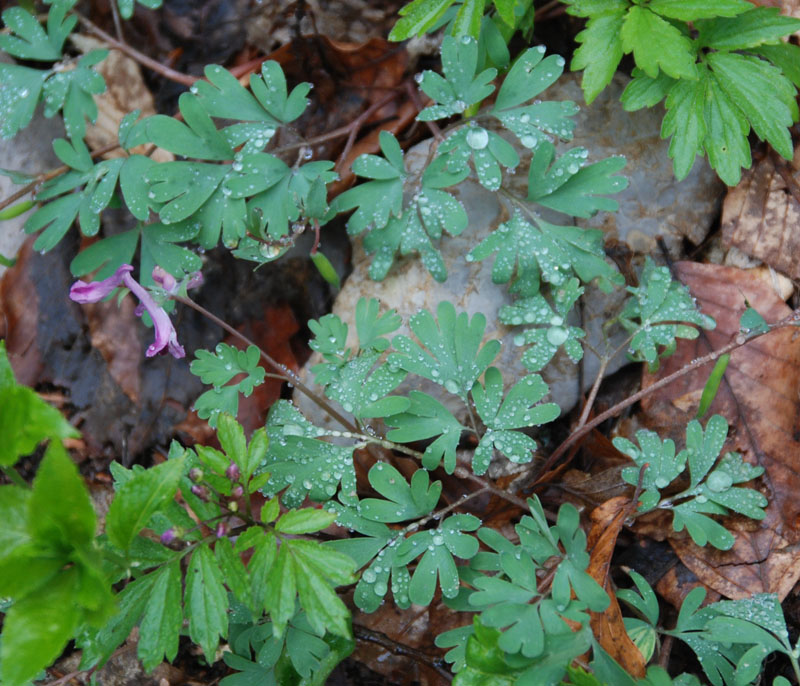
x: 30, y: 151
x: 653, y: 204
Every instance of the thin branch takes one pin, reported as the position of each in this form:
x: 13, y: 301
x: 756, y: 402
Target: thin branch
x: 370, y: 636
x: 117, y: 22
x: 287, y: 374
x: 740, y: 340
x: 46, y: 176
x: 140, y: 57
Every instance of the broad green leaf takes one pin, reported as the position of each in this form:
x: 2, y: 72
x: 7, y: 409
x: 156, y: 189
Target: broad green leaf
x: 783, y: 55
x: 26, y: 421
x: 135, y: 188
x: 206, y: 601
x: 642, y: 91
x: 599, y: 53
x: 503, y: 415
x: 402, y: 501
x: 685, y: 122
x: 305, y: 521
x: 762, y: 93
x: 657, y: 45
x: 132, y: 601
x: 417, y: 17
x: 271, y: 91
x: 160, y: 627
x: 37, y: 628
x: 468, y: 19
x: 425, y: 418
x: 13, y: 508
x: 232, y: 440
x: 60, y: 510
x: 748, y: 30
x: 137, y: 500
x: 452, y: 354
x: 690, y: 10
x: 460, y: 86
x: 233, y: 571
x: 197, y: 137
x: 726, y: 142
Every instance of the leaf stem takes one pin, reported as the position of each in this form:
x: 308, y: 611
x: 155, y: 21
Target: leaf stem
x: 287, y: 374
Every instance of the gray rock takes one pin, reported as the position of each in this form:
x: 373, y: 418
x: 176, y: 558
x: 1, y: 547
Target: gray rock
x: 653, y: 204
x: 30, y: 151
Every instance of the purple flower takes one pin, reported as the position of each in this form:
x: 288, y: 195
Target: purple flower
x: 166, y: 336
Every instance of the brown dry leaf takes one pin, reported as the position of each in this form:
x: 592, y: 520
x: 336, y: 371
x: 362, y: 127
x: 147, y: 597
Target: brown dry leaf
x: 760, y: 216
x: 608, y: 627
x: 759, y: 399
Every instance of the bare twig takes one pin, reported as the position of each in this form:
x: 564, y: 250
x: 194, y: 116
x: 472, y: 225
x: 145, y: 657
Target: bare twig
x: 140, y: 57
x: 740, y: 340
x: 287, y: 374
x: 371, y: 636
x: 46, y: 176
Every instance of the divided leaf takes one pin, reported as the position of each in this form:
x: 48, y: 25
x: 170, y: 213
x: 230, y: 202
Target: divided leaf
x: 658, y: 313
x: 503, y: 415
x: 402, y: 501
x: 452, y: 355
x: 554, y: 333
x: 460, y: 87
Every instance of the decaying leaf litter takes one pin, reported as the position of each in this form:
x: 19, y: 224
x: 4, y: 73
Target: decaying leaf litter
x: 128, y: 409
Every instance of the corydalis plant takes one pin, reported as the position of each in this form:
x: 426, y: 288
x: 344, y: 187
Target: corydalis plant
x: 166, y: 336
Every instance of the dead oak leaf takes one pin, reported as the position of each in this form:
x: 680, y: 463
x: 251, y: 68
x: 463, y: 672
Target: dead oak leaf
x: 760, y: 216
x: 759, y: 398
x: 608, y: 626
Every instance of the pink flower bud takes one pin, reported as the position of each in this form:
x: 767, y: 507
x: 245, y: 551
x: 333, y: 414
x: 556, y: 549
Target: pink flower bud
x: 232, y: 472
x: 196, y: 474
x: 222, y: 529
x: 237, y: 492
x: 168, y: 536
x: 200, y: 492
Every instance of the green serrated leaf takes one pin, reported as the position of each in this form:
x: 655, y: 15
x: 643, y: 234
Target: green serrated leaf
x: 600, y: 52
x: 685, y: 122
x: 305, y: 521
x: 690, y: 10
x: 756, y: 27
x: 206, y: 601
x: 657, y: 45
x: 163, y: 616
x: 137, y: 500
x: 417, y: 17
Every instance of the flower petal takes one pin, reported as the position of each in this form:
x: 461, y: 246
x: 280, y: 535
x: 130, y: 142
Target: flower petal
x: 95, y: 291
x: 166, y: 336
